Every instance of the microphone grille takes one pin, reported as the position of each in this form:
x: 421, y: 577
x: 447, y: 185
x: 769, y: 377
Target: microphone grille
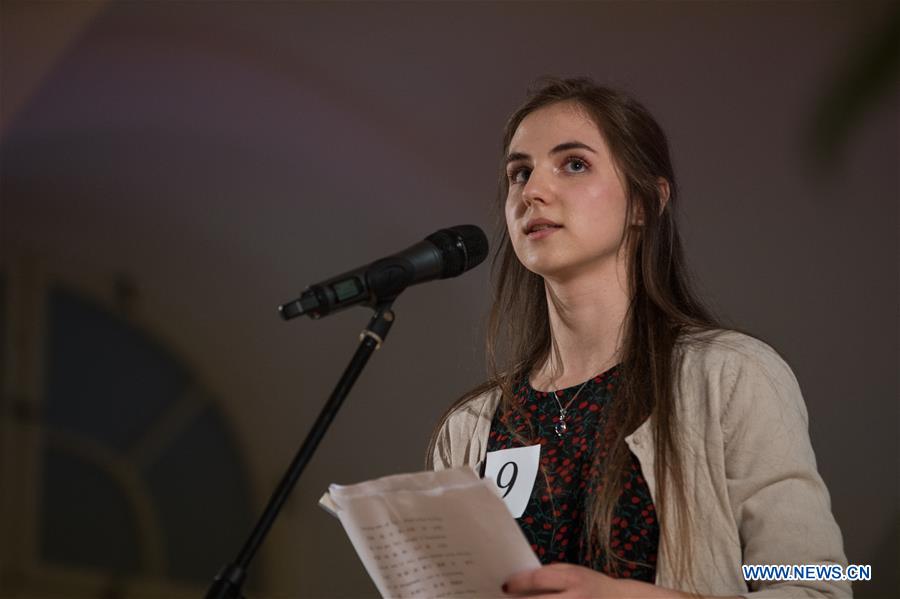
x: 462, y: 247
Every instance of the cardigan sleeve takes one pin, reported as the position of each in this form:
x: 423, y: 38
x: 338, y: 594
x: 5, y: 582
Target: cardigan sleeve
x: 778, y: 498
x: 462, y: 436
x: 441, y: 457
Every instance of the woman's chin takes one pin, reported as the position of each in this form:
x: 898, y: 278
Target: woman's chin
x: 562, y: 271
x: 548, y: 269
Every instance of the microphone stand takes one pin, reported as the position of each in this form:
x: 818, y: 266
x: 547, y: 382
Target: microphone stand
x: 228, y: 582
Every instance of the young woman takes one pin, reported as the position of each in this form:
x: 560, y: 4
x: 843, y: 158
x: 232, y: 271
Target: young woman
x: 671, y: 451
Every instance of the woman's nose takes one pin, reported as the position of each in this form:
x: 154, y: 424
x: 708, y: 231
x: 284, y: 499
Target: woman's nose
x: 538, y: 188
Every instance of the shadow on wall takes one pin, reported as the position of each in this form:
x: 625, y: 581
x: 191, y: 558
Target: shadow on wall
x: 136, y: 474
x: 869, y: 75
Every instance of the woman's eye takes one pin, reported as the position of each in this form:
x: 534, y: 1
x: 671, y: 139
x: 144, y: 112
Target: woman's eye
x: 520, y: 175
x: 576, y: 165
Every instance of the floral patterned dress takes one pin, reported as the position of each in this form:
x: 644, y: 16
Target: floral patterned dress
x: 553, y: 520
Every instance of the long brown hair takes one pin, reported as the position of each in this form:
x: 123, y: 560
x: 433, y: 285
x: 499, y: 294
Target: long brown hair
x: 662, y: 309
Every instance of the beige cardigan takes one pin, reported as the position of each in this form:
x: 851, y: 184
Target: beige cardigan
x: 751, y: 475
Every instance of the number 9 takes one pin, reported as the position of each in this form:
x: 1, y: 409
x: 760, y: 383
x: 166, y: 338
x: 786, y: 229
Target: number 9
x: 512, y: 479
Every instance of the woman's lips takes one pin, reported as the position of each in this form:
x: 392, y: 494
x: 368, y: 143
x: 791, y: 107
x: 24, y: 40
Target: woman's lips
x: 543, y: 232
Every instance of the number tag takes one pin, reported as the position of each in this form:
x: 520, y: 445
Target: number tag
x: 512, y: 473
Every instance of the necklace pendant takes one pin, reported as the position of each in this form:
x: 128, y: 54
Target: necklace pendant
x: 560, y: 427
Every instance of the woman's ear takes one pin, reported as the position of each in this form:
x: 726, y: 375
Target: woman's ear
x: 664, y: 191
x: 663, y: 184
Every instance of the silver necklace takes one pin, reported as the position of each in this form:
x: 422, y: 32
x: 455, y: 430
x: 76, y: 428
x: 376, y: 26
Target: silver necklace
x: 561, y: 427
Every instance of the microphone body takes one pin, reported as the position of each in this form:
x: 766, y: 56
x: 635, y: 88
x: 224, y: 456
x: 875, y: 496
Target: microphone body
x: 444, y: 254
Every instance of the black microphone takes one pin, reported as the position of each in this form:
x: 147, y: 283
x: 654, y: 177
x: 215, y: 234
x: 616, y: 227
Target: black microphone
x: 444, y: 254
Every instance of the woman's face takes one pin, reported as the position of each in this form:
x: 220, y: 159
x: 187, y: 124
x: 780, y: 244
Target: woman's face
x: 560, y: 171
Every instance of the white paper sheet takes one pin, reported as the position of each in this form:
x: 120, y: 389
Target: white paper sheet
x: 438, y: 534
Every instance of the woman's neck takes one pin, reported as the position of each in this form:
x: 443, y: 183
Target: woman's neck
x: 586, y: 327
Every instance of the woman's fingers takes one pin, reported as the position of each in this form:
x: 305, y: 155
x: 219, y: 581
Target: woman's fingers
x: 555, y: 578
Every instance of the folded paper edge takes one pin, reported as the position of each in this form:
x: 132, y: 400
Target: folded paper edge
x: 328, y: 504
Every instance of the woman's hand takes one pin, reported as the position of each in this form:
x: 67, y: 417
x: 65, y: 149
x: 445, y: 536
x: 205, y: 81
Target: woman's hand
x: 557, y: 581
